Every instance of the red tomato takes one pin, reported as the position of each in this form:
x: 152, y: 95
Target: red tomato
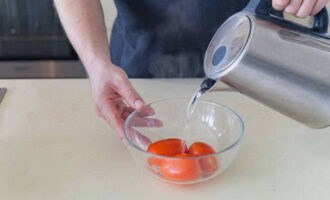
x: 180, y: 169
x: 200, y: 149
x: 166, y: 147
x: 209, y: 164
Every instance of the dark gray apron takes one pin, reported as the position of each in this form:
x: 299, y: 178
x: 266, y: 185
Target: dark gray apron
x: 166, y: 38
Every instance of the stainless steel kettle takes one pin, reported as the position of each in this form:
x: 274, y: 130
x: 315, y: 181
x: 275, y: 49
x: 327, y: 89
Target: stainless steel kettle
x: 281, y: 64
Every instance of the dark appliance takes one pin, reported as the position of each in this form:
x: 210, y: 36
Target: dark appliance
x: 33, y: 43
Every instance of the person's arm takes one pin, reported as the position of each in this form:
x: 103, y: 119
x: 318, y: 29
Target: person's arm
x: 300, y: 8
x: 83, y: 22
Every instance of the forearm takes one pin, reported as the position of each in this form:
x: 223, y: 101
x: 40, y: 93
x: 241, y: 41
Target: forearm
x: 83, y: 22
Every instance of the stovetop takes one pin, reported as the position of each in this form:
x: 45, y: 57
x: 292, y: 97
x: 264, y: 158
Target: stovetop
x: 42, y: 69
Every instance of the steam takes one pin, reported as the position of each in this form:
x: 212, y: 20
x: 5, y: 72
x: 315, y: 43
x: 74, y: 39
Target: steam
x: 175, y: 57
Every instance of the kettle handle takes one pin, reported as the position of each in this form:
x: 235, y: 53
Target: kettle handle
x: 321, y: 21
x: 265, y: 11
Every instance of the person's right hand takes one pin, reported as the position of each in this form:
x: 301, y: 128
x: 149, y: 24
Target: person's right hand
x: 300, y: 8
x: 113, y: 95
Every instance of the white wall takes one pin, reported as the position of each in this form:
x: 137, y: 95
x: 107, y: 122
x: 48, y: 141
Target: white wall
x: 110, y: 13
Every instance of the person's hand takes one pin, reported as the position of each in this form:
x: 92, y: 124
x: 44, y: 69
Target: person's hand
x: 141, y: 119
x: 300, y: 8
x: 113, y: 95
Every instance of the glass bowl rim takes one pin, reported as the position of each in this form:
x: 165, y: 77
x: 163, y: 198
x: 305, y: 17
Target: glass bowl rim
x: 234, y: 144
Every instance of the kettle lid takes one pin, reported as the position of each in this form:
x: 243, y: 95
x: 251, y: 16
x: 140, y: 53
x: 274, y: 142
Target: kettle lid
x: 227, y: 44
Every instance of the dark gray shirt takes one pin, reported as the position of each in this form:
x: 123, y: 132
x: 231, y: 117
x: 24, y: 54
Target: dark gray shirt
x: 166, y: 38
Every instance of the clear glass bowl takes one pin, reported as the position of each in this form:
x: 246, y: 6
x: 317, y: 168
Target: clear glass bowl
x: 211, y: 123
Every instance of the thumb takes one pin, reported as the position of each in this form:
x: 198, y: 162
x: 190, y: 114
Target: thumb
x: 129, y: 94
x: 280, y: 4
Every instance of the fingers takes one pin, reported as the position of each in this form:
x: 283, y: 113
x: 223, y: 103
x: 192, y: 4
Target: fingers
x: 305, y: 8
x: 112, y: 91
x: 120, y: 105
x: 146, y: 111
x: 299, y: 8
x: 293, y: 7
x: 280, y: 4
x: 126, y: 112
x: 146, y: 122
x: 116, y: 111
x: 319, y: 6
x: 140, y: 119
x: 139, y: 139
x: 126, y: 90
x: 108, y: 110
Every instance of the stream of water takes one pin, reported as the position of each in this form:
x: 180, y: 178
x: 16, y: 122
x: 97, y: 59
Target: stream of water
x: 206, y: 85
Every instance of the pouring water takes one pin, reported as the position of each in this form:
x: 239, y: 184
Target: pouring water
x: 205, y: 86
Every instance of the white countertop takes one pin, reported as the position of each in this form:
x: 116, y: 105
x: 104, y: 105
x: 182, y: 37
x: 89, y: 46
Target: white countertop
x: 53, y: 146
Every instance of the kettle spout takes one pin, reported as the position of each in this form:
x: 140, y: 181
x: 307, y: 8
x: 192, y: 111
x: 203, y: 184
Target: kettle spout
x: 206, y: 85
x: 211, y: 85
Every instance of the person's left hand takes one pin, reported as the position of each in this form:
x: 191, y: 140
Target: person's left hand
x: 300, y: 8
